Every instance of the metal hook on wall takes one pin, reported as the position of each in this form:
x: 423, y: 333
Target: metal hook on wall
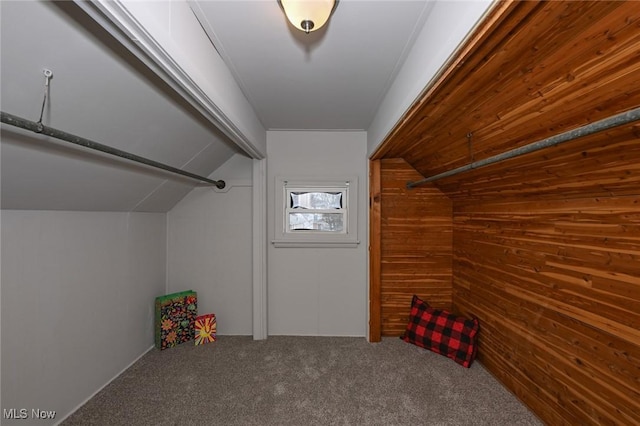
x: 48, y: 74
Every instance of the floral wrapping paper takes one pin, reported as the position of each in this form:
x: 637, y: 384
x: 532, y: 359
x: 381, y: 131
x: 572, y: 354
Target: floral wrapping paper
x: 175, y: 318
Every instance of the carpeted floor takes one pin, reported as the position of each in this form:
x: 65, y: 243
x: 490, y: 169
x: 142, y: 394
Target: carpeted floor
x: 302, y: 381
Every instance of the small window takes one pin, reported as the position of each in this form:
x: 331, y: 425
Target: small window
x: 316, y: 210
x: 316, y: 213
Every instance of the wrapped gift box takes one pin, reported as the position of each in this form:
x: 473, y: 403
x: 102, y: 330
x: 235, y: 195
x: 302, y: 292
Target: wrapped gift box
x: 175, y: 318
x: 205, y: 329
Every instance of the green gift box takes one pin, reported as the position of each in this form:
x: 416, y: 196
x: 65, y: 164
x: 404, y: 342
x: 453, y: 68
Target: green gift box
x: 175, y: 318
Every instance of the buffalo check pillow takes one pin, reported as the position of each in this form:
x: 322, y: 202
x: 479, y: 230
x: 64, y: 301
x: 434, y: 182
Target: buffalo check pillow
x: 442, y: 332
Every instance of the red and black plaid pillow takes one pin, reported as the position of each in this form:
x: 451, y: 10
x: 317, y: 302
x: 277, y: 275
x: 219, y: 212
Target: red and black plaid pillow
x: 442, y: 332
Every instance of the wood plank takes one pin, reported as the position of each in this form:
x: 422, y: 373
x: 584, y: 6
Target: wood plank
x: 556, y: 286
x: 600, y: 165
x: 554, y: 66
x: 375, y: 319
x: 415, y: 246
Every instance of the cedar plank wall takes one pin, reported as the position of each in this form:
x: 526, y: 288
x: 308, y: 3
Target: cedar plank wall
x: 554, y: 277
x: 546, y: 247
x: 416, y: 238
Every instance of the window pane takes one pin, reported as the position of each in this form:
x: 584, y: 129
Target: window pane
x: 316, y: 200
x: 327, y: 222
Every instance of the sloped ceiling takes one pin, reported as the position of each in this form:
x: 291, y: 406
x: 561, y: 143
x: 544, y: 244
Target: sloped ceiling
x: 332, y: 78
x: 538, y: 70
x: 339, y: 78
x: 101, y: 92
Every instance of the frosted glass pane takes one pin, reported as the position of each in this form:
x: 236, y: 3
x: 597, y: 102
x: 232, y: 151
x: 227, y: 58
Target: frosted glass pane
x: 327, y: 222
x: 316, y: 200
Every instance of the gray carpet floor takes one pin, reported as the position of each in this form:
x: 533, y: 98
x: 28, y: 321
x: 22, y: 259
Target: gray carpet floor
x: 302, y: 381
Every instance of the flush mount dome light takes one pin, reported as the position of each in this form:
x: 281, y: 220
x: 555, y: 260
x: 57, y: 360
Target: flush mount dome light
x: 308, y: 15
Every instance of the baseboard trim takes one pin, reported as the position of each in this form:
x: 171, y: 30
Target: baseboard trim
x: 103, y: 386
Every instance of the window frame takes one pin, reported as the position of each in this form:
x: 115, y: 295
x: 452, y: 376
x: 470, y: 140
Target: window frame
x: 343, y: 210
x: 284, y: 237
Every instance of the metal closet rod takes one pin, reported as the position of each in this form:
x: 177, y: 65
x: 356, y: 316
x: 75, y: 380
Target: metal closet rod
x: 77, y: 140
x: 588, y: 129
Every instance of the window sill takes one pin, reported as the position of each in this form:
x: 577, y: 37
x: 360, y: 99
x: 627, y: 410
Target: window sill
x: 315, y: 244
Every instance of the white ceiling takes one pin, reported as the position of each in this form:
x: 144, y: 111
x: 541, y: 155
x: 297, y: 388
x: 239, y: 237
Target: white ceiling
x: 333, y: 78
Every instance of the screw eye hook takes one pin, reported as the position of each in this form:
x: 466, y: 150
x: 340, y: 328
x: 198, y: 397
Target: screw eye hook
x: 48, y: 74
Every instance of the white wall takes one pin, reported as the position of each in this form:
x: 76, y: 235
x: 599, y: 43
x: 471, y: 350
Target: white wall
x: 317, y: 291
x: 210, y: 247
x: 78, y: 293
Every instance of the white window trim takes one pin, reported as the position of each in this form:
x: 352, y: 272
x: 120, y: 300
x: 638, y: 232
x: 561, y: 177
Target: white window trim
x: 349, y: 238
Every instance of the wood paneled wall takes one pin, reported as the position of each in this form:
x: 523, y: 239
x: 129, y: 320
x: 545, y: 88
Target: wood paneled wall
x: 547, y: 256
x: 602, y: 165
x: 415, y: 246
x: 546, y: 247
x: 553, y: 276
x: 556, y: 286
x: 537, y: 69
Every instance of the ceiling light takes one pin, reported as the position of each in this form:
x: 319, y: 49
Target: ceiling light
x: 308, y: 15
